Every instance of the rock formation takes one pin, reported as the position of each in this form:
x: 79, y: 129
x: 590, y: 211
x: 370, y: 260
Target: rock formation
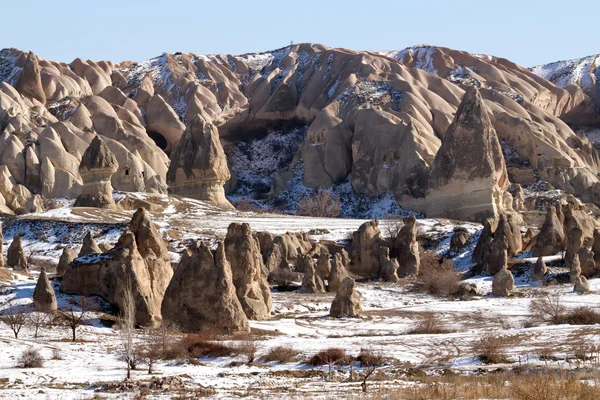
x: 15, y: 255
x: 551, y: 238
x: 366, y: 246
x: 389, y: 267
x: 406, y: 248
x: 324, y: 264
x: 508, y: 228
x: 89, y: 246
x: 1, y: 248
x: 96, y: 168
x: 574, y: 268
x: 338, y: 274
x: 198, y: 164
x: 468, y: 179
x: 249, y: 275
x: 539, y: 270
x: 497, y: 257
x: 459, y: 239
x: 582, y: 286
x: 503, y: 283
x: 347, y: 301
x: 586, y: 259
x: 312, y: 282
x: 66, y: 258
x: 486, y: 235
x: 283, y: 250
x: 30, y: 81
x: 139, y: 262
x: 202, y: 295
x: 44, y: 299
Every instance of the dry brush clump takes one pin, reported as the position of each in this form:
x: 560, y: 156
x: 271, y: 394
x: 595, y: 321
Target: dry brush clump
x: 30, y: 358
x: 281, y: 354
x: 549, y: 308
x: 437, y: 277
x: 320, y: 204
x: 491, y: 349
x: 429, y: 323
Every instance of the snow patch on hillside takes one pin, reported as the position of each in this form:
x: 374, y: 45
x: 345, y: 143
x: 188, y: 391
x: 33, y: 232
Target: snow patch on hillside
x: 582, y: 71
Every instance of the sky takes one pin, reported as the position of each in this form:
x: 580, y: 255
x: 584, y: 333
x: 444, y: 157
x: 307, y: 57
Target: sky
x: 528, y: 32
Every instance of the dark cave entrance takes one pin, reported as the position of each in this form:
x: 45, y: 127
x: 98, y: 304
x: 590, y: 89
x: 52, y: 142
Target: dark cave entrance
x: 158, y: 139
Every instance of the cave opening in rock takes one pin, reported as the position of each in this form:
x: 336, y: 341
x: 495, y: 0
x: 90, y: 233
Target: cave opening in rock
x: 158, y: 139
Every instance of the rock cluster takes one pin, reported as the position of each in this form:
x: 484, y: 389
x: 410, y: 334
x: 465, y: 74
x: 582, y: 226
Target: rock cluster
x: 139, y: 262
x: 202, y: 295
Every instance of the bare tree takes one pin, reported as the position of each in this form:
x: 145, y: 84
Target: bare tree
x: 37, y: 320
x: 548, y: 307
x: 127, y: 328
x: 371, y: 360
x: 14, y: 319
x: 74, y: 315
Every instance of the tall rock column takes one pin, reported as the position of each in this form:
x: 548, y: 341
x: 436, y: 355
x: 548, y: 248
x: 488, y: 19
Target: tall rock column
x: 198, y: 164
x: 97, y: 167
x: 468, y: 179
x: 243, y: 253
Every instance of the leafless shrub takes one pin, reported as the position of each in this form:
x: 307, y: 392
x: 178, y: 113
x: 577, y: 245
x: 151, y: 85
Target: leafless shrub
x: 248, y: 349
x: 328, y: 357
x: 56, y: 354
x: 491, y: 349
x: 391, y: 229
x: 14, y: 319
x: 281, y: 354
x: 370, y: 360
x: 75, y: 314
x: 548, y: 308
x: 127, y: 329
x: 320, y: 204
x: 199, y: 346
x: 38, y: 320
x: 30, y: 358
x: 429, y: 323
x: 582, y: 316
x: 246, y: 205
x: 437, y: 278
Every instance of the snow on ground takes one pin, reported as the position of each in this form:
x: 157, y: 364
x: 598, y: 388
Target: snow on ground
x: 300, y: 321
x: 582, y: 72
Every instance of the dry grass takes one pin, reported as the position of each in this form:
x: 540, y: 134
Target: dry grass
x: 327, y: 357
x: 435, y: 277
x: 547, y: 385
x: 319, y: 204
x: 281, y: 354
x: 429, y: 323
x: 492, y: 349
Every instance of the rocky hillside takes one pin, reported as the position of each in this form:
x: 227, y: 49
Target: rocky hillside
x: 368, y: 125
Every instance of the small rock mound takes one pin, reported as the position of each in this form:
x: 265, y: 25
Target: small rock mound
x: 551, y: 238
x: 15, y: 255
x: 539, y: 270
x: 347, y: 301
x: 459, y: 239
x: 407, y: 249
x: 201, y: 293
x: 44, y: 299
x: 582, y: 285
x: 366, y: 246
x: 89, y: 246
x: 503, y: 283
x: 338, y: 274
x: 312, y: 282
x: 389, y: 267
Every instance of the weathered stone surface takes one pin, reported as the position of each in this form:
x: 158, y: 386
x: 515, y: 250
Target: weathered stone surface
x: 389, y: 267
x: 66, y: 258
x: 468, y: 179
x: 366, y: 245
x: 503, y: 283
x: 139, y: 262
x: 324, y: 264
x: 96, y: 169
x: 15, y: 255
x: 482, y: 246
x: 582, y: 286
x: 312, y: 282
x: 202, y: 295
x: 551, y: 238
x: 467, y: 289
x: 574, y: 268
x: 406, y: 248
x: 586, y: 259
x: 539, y: 270
x: 459, y: 239
x: 44, y: 299
x: 497, y: 257
x: 338, y: 274
x: 283, y: 250
x: 198, y: 164
x: 30, y: 81
x: 508, y: 228
x: 347, y: 301
x: 89, y: 246
x: 249, y: 275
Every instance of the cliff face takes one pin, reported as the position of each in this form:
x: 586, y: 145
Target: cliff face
x: 375, y: 120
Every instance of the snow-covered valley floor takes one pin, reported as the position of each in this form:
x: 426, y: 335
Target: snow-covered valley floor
x: 300, y: 321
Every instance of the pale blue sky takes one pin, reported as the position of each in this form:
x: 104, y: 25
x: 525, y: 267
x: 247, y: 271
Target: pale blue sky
x: 528, y: 32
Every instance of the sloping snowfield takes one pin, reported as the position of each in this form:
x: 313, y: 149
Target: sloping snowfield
x: 300, y: 321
